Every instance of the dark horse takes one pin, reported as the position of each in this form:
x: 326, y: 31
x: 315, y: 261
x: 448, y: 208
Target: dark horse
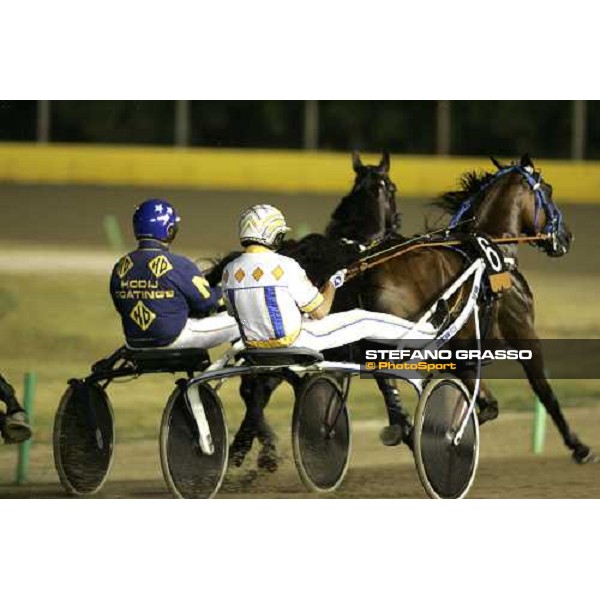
x: 368, y: 213
x: 508, y: 203
x: 366, y: 216
x: 512, y: 202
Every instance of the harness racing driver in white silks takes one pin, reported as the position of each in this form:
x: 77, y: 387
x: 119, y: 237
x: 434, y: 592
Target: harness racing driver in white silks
x: 276, y: 306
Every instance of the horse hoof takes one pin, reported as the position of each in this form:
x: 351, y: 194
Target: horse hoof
x: 236, y: 459
x: 396, y: 434
x: 267, y: 459
x: 16, y: 428
x: 391, y: 435
x: 239, y: 449
x: 583, y: 455
x: 488, y: 413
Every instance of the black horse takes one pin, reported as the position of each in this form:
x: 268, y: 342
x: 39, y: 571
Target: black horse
x: 368, y: 214
x: 365, y: 217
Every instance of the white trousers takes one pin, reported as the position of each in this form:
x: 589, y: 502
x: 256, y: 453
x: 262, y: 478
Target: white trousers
x: 351, y: 326
x: 208, y: 332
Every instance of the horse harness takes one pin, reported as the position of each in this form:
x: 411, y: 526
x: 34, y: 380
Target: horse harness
x: 471, y: 246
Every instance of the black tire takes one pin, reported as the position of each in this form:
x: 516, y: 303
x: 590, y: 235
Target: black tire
x: 84, y: 435
x: 188, y: 471
x: 446, y: 470
x: 322, y: 460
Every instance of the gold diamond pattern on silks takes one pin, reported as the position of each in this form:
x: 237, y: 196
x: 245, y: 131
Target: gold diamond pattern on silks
x: 239, y: 275
x: 277, y: 272
x: 142, y: 316
x: 160, y: 265
x: 125, y: 265
x: 257, y: 273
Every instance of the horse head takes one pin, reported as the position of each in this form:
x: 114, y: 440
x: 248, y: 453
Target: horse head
x: 369, y: 211
x: 540, y: 213
x: 512, y: 202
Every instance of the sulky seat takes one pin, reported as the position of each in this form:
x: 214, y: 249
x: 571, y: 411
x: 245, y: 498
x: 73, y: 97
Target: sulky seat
x: 281, y: 357
x: 168, y: 361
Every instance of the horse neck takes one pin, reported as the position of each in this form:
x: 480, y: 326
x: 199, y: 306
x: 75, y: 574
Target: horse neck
x: 320, y: 256
x: 499, y: 212
x: 359, y: 217
x: 215, y: 274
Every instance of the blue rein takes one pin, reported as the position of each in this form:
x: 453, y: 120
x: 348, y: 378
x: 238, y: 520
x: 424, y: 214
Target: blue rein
x: 553, y: 214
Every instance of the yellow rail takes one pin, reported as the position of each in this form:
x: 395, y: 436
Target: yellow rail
x: 268, y: 170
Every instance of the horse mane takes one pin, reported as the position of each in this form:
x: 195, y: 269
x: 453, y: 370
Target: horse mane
x: 470, y: 184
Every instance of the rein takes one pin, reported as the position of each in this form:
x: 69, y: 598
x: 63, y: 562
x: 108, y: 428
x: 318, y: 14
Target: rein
x: 383, y: 256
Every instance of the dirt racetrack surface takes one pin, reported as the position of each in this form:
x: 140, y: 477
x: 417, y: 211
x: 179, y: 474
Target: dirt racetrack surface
x: 507, y: 468
x: 531, y: 477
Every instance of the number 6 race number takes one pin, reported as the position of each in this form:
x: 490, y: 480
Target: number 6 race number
x: 492, y: 255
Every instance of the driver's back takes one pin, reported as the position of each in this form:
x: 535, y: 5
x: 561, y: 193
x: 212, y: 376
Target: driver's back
x: 267, y: 293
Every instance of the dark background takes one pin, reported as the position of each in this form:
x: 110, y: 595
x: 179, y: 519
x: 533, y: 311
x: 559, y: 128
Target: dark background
x: 505, y: 127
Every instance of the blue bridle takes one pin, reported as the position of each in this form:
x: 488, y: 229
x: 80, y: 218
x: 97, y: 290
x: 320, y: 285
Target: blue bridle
x: 553, y: 215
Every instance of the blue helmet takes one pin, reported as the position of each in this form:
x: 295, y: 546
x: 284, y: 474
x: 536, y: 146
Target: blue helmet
x: 155, y: 219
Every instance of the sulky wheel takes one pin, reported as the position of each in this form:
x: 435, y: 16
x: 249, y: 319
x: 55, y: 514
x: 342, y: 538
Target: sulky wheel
x: 190, y: 471
x: 446, y: 470
x: 84, y: 436
x: 321, y: 434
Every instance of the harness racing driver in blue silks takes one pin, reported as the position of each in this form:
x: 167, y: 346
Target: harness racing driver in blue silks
x: 163, y: 299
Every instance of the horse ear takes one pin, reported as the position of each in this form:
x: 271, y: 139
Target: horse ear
x: 526, y: 161
x: 496, y: 163
x: 356, y: 162
x: 384, y: 163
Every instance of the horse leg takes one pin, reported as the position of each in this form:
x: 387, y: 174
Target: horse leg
x: 256, y: 392
x: 14, y: 425
x: 267, y: 459
x: 534, y: 370
x: 487, y: 404
x: 516, y: 324
x: 248, y: 430
x: 400, y: 428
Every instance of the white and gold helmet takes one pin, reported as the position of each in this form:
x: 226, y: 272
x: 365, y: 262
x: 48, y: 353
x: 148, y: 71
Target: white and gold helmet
x: 262, y: 224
